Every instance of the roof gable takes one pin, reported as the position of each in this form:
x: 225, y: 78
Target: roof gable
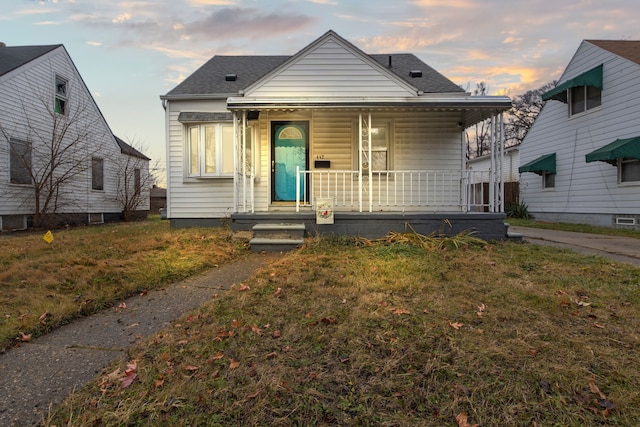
x: 330, y: 66
x: 12, y: 57
x: 247, y: 73
x: 628, y: 49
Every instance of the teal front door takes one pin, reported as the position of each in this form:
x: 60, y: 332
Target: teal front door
x: 289, y: 151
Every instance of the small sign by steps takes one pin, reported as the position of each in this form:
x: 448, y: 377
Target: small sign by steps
x: 277, y: 237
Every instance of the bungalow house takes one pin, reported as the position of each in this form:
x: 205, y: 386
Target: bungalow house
x: 329, y: 140
x: 60, y: 161
x: 580, y: 161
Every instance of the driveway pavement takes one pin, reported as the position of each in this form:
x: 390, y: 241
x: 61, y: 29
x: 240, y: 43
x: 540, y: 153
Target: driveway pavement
x: 624, y: 249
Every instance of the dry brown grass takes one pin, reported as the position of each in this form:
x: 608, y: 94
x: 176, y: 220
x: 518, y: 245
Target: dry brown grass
x: 87, y: 269
x: 347, y: 332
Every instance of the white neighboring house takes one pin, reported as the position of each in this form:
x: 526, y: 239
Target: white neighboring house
x: 333, y: 138
x: 580, y: 161
x: 46, y: 107
x: 510, y: 175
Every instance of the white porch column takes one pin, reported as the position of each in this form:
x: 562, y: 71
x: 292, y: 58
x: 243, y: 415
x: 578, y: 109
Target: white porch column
x: 236, y: 184
x: 361, y: 127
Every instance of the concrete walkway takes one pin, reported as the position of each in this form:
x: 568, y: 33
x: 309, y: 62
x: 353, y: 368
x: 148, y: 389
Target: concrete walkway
x: 39, y: 374
x: 624, y: 249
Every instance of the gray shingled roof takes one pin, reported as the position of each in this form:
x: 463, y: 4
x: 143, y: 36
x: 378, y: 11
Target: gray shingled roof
x: 12, y: 57
x: 129, y: 150
x: 210, y: 78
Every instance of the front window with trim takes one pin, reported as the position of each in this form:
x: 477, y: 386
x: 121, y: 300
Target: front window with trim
x: 210, y: 150
x: 629, y: 170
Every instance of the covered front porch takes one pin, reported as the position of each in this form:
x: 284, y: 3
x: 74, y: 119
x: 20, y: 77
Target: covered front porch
x: 407, y: 166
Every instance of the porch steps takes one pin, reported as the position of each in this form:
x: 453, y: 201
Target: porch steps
x: 277, y: 237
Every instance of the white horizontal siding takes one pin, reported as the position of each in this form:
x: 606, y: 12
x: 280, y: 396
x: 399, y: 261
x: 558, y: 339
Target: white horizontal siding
x: 330, y: 70
x: 193, y: 198
x: 585, y: 187
x: 25, y: 92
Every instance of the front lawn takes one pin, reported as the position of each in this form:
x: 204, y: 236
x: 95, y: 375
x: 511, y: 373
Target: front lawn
x: 84, y: 270
x: 350, y: 332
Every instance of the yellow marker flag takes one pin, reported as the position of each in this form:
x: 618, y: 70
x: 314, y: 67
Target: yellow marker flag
x: 48, y: 237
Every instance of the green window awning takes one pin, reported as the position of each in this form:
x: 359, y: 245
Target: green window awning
x: 546, y: 163
x: 620, y: 148
x: 592, y: 77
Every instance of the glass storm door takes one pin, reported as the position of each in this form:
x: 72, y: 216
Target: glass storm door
x: 289, y: 150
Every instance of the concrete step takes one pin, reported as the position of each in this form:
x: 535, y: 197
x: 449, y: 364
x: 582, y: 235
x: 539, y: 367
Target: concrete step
x: 277, y: 237
x: 274, y: 245
x: 279, y: 231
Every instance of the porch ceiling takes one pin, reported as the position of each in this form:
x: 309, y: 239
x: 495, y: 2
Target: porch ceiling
x: 474, y: 108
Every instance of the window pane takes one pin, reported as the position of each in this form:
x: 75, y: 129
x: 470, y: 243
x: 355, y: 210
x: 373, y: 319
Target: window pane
x: 630, y: 171
x: 97, y: 173
x: 577, y: 99
x: 594, y: 97
x: 227, y: 149
x: 210, y: 149
x: 137, y: 180
x: 549, y: 180
x: 249, y: 149
x: 193, y: 151
x: 19, y: 162
x: 379, y: 150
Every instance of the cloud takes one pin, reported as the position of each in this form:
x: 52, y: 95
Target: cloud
x: 211, y: 2
x: 46, y: 23
x: 91, y: 43
x: 122, y: 18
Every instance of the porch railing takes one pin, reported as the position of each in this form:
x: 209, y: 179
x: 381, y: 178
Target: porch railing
x: 460, y: 190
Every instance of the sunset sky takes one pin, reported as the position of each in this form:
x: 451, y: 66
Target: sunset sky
x: 131, y: 52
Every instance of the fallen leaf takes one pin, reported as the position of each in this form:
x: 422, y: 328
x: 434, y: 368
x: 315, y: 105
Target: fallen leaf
x: 191, y: 368
x: 461, y: 418
x: 399, y: 311
x: 271, y: 355
x: 481, y: 309
x: 244, y: 287
x: 594, y: 388
x: 598, y: 325
x: 278, y: 292
x: 277, y: 333
x: 122, y: 305
x: 456, y: 325
x: 158, y: 383
x: 233, y: 364
x: 252, y: 395
x: 255, y: 329
x: 127, y: 379
x: 43, y: 317
x: 329, y: 320
x: 582, y: 303
x: 25, y: 337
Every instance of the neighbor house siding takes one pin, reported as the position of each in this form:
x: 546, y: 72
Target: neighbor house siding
x: 585, y: 188
x: 24, y: 91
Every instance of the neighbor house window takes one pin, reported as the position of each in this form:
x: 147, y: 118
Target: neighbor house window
x: 210, y: 150
x: 380, y: 148
x: 97, y: 173
x: 583, y: 98
x: 137, y: 181
x: 61, y: 90
x: 629, y: 170
x: 19, y: 162
x: 548, y: 180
